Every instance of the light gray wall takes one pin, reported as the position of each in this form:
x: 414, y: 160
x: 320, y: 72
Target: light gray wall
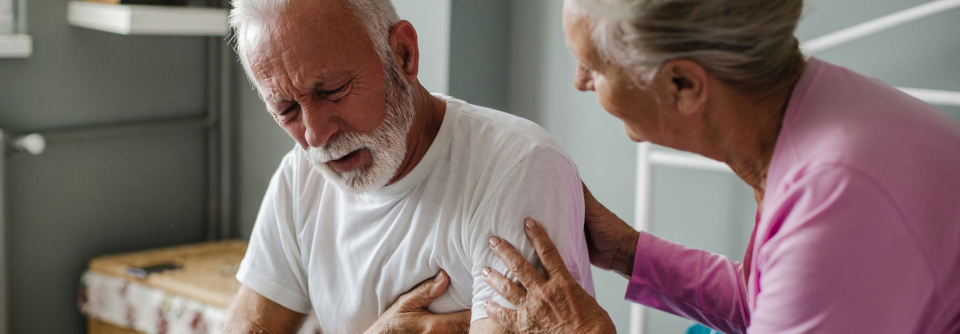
x: 431, y: 19
x: 82, y: 199
x: 479, y: 51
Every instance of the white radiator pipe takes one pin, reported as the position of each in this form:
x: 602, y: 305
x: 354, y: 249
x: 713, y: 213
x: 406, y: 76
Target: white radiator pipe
x: 33, y: 144
x: 4, y: 284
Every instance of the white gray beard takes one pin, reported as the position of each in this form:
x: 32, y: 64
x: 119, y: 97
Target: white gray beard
x: 387, y: 144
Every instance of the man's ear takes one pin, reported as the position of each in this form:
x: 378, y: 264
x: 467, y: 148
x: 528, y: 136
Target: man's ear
x: 688, y: 84
x: 406, y: 52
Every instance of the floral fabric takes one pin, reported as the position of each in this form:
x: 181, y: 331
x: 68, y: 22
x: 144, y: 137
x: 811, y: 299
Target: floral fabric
x: 146, y: 309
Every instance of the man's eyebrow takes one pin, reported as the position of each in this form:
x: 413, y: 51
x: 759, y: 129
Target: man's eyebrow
x: 326, y: 76
x: 333, y: 75
x: 276, y: 101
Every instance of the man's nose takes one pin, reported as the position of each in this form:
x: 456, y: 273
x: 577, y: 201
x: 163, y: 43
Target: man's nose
x: 319, y: 125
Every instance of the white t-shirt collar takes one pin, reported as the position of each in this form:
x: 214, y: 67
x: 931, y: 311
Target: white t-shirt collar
x: 425, y: 166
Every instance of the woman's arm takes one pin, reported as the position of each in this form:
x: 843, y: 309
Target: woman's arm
x: 612, y: 243
x: 698, y: 285
x: 690, y: 283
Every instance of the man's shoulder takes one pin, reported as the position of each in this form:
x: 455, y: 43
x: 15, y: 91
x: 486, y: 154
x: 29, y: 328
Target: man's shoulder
x: 497, y: 135
x: 486, y: 121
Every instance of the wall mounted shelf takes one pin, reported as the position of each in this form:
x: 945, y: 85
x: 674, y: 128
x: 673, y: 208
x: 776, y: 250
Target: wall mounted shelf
x: 15, y: 46
x: 148, y: 20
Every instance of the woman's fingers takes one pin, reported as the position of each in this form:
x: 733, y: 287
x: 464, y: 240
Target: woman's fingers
x: 525, y: 273
x: 503, y: 316
x: 549, y: 255
x: 503, y: 286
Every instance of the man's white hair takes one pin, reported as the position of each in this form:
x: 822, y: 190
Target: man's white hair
x: 377, y: 16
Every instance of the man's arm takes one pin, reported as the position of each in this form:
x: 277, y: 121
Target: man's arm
x: 252, y: 313
x: 410, y: 315
x: 545, y: 186
x: 487, y: 325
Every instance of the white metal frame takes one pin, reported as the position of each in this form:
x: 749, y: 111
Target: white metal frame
x: 648, y: 156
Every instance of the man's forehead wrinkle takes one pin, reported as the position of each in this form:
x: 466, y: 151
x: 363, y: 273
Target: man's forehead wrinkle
x: 310, y: 45
x: 270, y: 80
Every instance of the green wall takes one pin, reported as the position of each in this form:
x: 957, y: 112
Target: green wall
x: 86, y: 198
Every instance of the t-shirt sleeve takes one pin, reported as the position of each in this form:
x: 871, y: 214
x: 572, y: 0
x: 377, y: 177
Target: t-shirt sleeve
x: 842, y: 259
x: 272, y: 265
x: 543, y: 186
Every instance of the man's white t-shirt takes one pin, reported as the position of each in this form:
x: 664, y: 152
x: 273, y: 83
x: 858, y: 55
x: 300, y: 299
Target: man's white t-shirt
x: 348, y: 257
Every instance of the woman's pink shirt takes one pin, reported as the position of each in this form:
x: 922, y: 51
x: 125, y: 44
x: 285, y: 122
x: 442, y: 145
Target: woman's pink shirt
x: 860, y: 231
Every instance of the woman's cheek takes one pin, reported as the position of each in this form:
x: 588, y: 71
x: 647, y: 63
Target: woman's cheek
x: 611, y: 99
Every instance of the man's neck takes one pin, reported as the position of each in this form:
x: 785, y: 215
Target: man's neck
x: 426, y: 125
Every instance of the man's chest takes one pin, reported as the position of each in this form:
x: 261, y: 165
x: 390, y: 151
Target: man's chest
x: 360, y: 257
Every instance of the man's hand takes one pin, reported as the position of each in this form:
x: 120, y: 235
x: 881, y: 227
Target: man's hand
x: 555, y: 304
x: 410, y: 315
x: 611, y: 242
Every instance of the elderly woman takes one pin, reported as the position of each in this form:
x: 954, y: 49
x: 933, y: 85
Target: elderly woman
x: 857, y: 184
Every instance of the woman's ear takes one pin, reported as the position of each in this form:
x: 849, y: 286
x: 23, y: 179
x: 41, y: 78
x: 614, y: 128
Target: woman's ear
x: 688, y: 84
x: 406, y: 52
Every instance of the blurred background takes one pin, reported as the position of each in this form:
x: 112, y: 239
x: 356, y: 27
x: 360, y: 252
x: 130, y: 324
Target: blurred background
x: 85, y: 197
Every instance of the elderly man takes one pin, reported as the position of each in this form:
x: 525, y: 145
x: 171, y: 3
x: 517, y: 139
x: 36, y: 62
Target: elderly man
x: 390, y: 185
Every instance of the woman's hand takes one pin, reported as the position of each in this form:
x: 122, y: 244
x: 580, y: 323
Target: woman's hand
x: 555, y: 304
x: 611, y: 242
x: 410, y: 315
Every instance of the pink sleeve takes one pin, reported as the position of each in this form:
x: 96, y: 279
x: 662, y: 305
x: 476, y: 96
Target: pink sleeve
x: 837, y: 256
x: 698, y: 285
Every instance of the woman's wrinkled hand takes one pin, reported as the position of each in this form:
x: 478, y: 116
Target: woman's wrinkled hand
x: 410, y: 315
x: 611, y: 242
x: 555, y: 304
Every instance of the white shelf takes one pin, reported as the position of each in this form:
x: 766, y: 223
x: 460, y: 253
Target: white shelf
x: 15, y: 46
x: 148, y: 20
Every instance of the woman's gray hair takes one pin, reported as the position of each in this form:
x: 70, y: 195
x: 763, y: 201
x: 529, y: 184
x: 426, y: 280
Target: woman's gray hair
x: 747, y: 43
x: 376, y: 16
